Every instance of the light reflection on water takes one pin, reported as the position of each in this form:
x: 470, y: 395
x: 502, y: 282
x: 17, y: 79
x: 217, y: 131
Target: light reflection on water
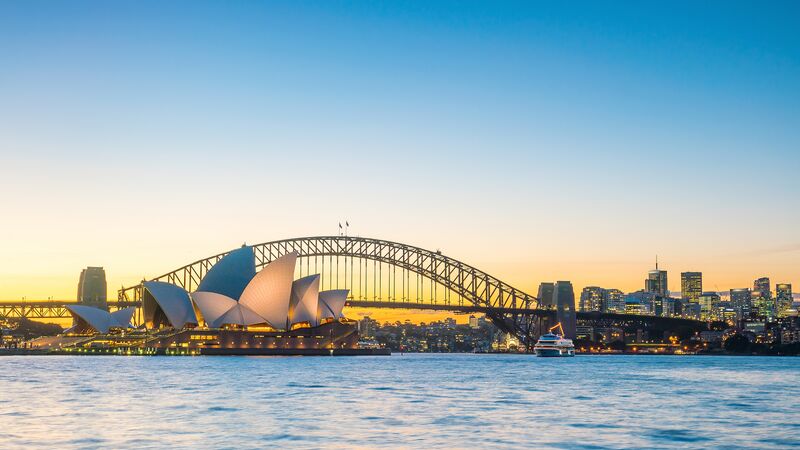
x: 423, y: 401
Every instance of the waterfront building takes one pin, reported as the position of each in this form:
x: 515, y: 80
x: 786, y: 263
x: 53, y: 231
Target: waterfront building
x: 615, y: 301
x: 741, y: 302
x: 546, y: 295
x: 783, y: 298
x: 366, y: 327
x: 691, y: 286
x: 92, y: 289
x: 709, y: 302
x: 593, y: 298
x: 564, y: 298
x: 763, y: 304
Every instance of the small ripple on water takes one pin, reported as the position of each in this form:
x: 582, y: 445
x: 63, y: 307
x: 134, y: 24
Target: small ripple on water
x: 677, y: 435
x: 222, y: 409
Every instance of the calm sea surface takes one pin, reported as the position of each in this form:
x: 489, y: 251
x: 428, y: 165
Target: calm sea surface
x: 421, y: 401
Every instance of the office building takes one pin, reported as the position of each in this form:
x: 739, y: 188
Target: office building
x: 656, y: 282
x: 691, y: 286
x: 709, y: 302
x: 592, y: 298
x: 783, y: 298
x: 763, y: 303
x: 615, y: 301
x: 741, y: 302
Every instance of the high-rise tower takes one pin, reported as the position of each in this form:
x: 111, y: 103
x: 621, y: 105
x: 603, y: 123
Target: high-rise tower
x: 741, y: 302
x: 783, y: 297
x: 763, y: 303
x: 691, y: 286
x: 92, y: 287
x: 656, y: 282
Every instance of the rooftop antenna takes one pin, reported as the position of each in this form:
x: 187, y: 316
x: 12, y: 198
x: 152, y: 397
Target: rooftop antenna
x: 656, y: 262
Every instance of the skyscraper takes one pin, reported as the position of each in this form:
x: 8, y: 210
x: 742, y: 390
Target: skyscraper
x: 691, y: 286
x: 783, y: 297
x: 92, y: 287
x: 763, y: 303
x: 592, y: 298
x: 546, y: 294
x: 564, y: 298
x: 741, y: 302
x: 656, y: 282
x: 762, y: 286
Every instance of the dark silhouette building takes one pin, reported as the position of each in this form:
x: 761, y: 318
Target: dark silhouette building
x: 92, y: 287
x: 564, y: 298
x: 546, y: 294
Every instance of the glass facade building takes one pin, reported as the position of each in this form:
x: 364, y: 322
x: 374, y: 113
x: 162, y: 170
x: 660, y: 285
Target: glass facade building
x: 783, y: 297
x: 741, y: 302
x: 691, y: 286
x: 593, y: 298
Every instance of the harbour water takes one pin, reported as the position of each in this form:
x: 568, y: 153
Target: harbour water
x: 409, y: 401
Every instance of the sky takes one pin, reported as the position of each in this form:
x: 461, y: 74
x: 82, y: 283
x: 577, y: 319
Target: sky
x: 537, y: 141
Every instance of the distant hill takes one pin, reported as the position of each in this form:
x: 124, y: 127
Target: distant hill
x: 28, y: 328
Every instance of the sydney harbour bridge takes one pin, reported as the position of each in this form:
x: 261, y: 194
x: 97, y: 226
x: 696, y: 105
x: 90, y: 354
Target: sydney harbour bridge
x: 382, y: 274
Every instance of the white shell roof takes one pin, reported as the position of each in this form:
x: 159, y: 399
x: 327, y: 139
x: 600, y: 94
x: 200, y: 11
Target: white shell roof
x: 239, y: 315
x: 174, y: 301
x: 305, y: 297
x: 101, y: 320
x: 269, y: 292
x: 123, y: 316
x: 231, y: 274
x: 212, y: 306
x: 331, y: 303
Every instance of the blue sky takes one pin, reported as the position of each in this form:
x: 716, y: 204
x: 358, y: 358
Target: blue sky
x: 534, y: 140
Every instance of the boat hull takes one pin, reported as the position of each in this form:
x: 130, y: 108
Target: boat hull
x: 553, y: 352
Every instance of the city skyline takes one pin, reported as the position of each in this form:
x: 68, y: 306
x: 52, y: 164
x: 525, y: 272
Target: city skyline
x: 609, y: 134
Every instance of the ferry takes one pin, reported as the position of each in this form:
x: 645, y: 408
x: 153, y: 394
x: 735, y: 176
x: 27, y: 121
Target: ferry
x: 552, y: 344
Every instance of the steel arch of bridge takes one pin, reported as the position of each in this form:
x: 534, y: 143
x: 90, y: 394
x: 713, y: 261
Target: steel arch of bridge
x: 510, y: 309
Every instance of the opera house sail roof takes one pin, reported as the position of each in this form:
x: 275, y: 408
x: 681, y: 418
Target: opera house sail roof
x: 165, y: 304
x: 88, y: 318
x: 331, y: 304
x: 233, y: 293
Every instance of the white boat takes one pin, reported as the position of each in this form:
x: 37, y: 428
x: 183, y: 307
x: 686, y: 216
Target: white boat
x: 552, y: 344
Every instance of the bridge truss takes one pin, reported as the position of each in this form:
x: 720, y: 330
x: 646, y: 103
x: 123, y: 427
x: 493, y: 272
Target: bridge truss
x: 46, y: 309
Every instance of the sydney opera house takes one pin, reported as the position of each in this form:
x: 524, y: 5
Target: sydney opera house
x: 234, y: 310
